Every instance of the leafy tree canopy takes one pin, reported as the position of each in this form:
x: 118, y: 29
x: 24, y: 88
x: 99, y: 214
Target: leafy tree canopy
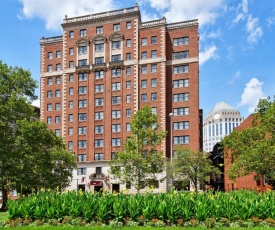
x: 252, y: 150
x: 140, y: 163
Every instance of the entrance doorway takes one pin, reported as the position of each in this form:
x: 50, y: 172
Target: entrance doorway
x: 115, y: 188
x: 98, y: 188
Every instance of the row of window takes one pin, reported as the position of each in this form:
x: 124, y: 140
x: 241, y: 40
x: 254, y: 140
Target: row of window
x: 57, y: 54
x: 99, y: 30
x: 117, y: 114
x: 99, y: 143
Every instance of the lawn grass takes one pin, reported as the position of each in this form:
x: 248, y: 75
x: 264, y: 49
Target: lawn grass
x: 3, y: 216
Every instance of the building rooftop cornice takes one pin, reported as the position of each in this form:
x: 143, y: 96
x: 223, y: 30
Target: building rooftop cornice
x: 51, y: 40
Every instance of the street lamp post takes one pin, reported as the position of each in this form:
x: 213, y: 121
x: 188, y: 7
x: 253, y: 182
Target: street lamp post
x: 171, y: 147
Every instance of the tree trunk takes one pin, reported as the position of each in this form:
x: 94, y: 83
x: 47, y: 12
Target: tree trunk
x: 4, y: 207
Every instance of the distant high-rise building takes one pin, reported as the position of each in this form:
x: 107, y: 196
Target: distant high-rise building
x: 219, y: 123
x: 103, y: 69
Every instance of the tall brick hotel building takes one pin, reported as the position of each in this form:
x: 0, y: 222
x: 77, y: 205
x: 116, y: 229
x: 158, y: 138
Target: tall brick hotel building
x: 105, y: 67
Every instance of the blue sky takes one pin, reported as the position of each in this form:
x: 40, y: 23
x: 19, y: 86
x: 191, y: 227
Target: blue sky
x: 237, y: 48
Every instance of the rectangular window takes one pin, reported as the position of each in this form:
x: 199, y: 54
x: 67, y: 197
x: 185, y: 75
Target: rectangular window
x: 58, y: 80
x: 82, y: 50
x: 71, y: 34
x: 81, y: 157
x: 128, y: 42
x: 116, y: 72
x: 153, y: 54
x: 115, y: 128
x: 154, y: 110
x: 71, y: 64
x: 115, y: 113
x: 143, y: 83
x: 82, y: 130
x: 70, y: 145
x: 181, y: 111
x: 82, y: 144
x: 144, y: 97
x: 98, y: 128
x: 116, y: 57
x: 153, y: 96
x: 98, y: 115
x: 99, y: 74
x: 128, y: 84
x: 144, y: 55
x: 115, y: 141
x: 98, y: 101
x: 113, y: 155
x: 71, y: 78
x: 181, y: 97
x: 58, y: 93
x: 83, y: 33
x: 50, y: 81
x: 99, y: 30
x: 181, y: 140
x: 82, y: 116
x: 58, y: 67
x: 71, y: 91
x: 57, y: 132
x: 128, y: 98
x: 128, y: 127
x: 153, y: 82
x: 98, y: 142
x: 98, y: 170
x: 154, y: 40
x: 181, y: 125
x: 98, y: 156
x: 144, y: 69
x: 154, y: 68
x: 128, y: 70
x: 99, y: 88
x: 144, y: 41
x: 181, y: 69
x: 128, y: 56
x: 116, y: 27
x: 82, y: 62
x: 116, y: 45
x: 82, y: 103
x: 50, y: 94
x: 99, y: 47
x: 116, y: 86
x: 181, y: 83
x: 50, y: 68
x: 82, y: 89
x: 99, y: 60
x: 71, y: 118
x: 71, y: 51
x: 57, y: 106
x: 70, y: 131
x: 128, y: 25
x: 81, y: 171
x: 50, y: 55
x: 180, y: 41
x: 58, y: 54
x: 128, y: 112
x: 116, y: 100
x: 49, y: 120
x: 82, y: 76
x: 180, y: 55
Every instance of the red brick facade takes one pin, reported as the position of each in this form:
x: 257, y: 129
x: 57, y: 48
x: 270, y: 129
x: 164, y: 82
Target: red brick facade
x: 139, y: 64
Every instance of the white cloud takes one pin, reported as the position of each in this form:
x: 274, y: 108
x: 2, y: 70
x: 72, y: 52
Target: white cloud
x: 270, y: 21
x: 177, y: 10
x: 255, y: 32
x: 251, y: 94
x: 36, y: 103
x: 208, y: 53
x: 53, y: 12
x: 235, y: 77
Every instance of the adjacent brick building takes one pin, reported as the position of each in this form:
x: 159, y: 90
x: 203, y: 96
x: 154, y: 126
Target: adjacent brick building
x: 105, y: 67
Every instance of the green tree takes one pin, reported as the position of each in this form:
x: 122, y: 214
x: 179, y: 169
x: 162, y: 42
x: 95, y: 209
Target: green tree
x: 252, y: 150
x: 21, y: 153
x: 193, y: 165
x: 140, y: 163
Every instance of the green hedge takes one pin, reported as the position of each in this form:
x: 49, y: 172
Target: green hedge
x: 169, y: 208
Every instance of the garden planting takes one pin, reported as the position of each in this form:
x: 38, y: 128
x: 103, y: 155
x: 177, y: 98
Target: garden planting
x: 238, y: 208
